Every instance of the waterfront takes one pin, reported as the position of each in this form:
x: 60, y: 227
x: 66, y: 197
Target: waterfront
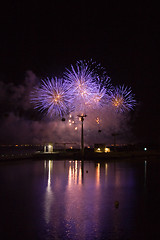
x: 48, y: 199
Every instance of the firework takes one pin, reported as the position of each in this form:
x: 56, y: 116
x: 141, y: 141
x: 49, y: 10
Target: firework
x: 122, y: 99
x: 98, y: 120
x: 82, y: 81
x: 87, y: 86
x: 53, y: 97
x: 84, y: 88
x: 100, y: 97
x: 100, y: 75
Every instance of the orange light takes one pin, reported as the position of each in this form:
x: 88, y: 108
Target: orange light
x: 97, y: 120
x: 107, y: 150
x: 118, y: 101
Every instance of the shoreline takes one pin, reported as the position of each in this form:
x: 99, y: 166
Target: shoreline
x: 131, y: 155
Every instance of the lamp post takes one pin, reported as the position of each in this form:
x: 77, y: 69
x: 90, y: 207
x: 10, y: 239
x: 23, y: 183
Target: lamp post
x: 82, y: 136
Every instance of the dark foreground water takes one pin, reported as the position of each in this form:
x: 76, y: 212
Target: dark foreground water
x: 65, y: 200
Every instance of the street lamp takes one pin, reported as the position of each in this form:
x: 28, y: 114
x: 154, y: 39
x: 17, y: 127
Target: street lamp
x: 82, y: 137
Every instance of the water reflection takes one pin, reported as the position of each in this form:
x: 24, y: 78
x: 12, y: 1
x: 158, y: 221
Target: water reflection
x: 98, y: 174
x: 106, y: 172
x: 49, y: 193
x: 75, y: 173
x: 145, y: 172
x: 106, y: 167
x: 80, y: 197
x: 75, y: 200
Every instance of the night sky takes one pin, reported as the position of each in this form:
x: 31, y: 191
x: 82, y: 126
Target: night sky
x: 123, y: 37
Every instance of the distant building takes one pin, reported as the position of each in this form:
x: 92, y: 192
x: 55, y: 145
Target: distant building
x: 63, y: 146
x: 101, y: 148
x: 48, y: 148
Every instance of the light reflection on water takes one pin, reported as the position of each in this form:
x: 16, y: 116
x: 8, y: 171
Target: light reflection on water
x: 49, y: 194
x: 76, y: 200
x: 84, y: 199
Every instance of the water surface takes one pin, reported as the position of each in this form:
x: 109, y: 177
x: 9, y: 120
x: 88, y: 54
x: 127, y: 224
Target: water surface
x: 70, y: 200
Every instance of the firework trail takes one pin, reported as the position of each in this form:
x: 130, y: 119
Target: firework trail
x: 122, y: 99
x: 53, y: 97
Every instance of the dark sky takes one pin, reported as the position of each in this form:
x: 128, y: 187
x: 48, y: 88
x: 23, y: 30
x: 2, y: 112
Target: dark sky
x: 123, y: 37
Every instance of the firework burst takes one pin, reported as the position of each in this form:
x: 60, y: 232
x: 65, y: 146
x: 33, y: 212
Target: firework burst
x: 53, y: 97
x: 86, y: 85
x: 122, y: 99
x: 85, y: 88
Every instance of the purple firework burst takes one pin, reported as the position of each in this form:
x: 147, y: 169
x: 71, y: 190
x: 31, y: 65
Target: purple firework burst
x: 53, y: 97
x: 86, y: 85
x: 122, y: 98
x: 100, y: 75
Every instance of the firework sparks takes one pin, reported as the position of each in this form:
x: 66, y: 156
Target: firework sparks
x: 99, y: 98
x: 122, y: 99
x: 52, y: 97
x: 81, y: 79
x: 97, y: 120
x: 84, y: 88
x: 100, y: 75
x: 86, y: 85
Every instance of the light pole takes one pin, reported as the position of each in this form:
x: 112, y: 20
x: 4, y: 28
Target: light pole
x: 82, y: 136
